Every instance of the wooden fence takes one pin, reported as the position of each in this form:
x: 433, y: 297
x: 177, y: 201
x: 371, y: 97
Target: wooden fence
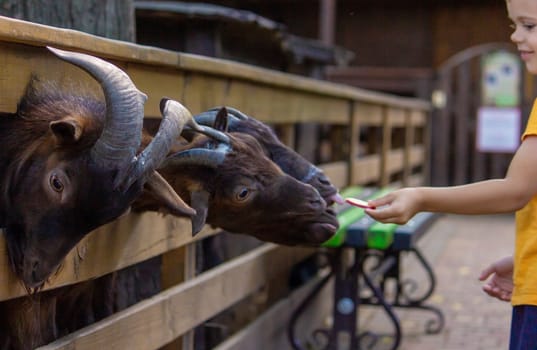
x: 369, y: 138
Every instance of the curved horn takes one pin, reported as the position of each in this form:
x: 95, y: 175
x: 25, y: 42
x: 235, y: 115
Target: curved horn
x: 174, y: 118
x: 214, y: 134
x: 121, y: 134
x: 236, y: 113
x: 197, y: 156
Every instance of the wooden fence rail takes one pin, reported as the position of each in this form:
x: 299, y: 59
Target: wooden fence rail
x: 385, y: 139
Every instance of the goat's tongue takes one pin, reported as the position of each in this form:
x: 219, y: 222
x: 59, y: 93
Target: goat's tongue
x: 337, y: 198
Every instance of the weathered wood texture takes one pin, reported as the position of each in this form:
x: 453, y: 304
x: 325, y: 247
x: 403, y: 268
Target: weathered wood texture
x: 379, y: 133
x: 111, y: 19
x: 122, y: 243
x: 269, y: 331
x: 156, y: 321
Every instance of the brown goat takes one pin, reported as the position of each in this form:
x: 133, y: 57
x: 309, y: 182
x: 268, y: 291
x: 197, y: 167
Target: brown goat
x: 69, y: 164
x: 285, y: 157
x: 244, y: 191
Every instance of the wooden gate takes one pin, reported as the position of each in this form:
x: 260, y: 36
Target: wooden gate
x: 456, y: 99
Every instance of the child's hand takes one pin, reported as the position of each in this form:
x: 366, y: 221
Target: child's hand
x: 500, y: 285
x: 396, y: 207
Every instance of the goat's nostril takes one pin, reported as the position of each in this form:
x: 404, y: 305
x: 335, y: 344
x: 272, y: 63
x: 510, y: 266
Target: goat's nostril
x: 35, y: 265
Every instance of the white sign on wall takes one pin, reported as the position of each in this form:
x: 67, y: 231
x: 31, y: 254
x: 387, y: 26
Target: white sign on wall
x: 498, y: 129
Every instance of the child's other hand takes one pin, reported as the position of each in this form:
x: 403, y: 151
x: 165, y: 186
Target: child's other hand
x: 500, y: 284
x: 396, y: 207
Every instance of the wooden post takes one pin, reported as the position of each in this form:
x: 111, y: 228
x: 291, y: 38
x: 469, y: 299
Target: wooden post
x: 409, y: 142
x: 354, y: 143
x: 385, y: 147
x: 441, y: 130
x: 327, y: 21
x: 178, y: 266
x: 462, y: 114
x: 112, y: 19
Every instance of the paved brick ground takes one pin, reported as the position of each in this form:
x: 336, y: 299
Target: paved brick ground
x: 458, y: 247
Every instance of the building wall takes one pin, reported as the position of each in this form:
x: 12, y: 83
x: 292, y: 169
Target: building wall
x: 457, y: 28
x: 412, y: 33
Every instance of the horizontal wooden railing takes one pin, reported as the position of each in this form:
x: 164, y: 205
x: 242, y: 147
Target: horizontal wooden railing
x: 387, y: 141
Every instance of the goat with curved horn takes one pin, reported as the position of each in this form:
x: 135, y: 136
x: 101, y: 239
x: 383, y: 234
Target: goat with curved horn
x: 238, y: 188
x: 70, y: 164
x: 287, y: 159
x: 121, y: 135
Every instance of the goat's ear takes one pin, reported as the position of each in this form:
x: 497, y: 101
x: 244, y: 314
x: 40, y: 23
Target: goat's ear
x: 199, y: 200
x: 67, y: 130
x: 166, y: 197
x: 221, y: 120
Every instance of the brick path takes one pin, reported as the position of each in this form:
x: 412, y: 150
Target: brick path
x: 457, y: 247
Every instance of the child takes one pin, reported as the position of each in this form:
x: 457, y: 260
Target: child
x: 516, y: 192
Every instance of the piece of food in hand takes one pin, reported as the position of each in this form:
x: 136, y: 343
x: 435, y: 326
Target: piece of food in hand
x: 358, y: 203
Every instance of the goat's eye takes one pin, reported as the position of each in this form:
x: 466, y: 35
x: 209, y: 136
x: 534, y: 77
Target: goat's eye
x: 55, y: 183
x: 242, y: 194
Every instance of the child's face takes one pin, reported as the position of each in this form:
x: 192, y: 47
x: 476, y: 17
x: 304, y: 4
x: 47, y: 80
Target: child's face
x: 523, y: 13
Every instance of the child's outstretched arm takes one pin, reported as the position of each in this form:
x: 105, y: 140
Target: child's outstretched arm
x: 486, y: 197
x: 500, y: 284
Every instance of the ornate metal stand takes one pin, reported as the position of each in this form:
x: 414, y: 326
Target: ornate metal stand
x: 368, y: 270
x: 404, y: 289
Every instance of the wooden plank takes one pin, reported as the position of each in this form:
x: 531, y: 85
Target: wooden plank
x: 177, y: 266
x: 292, y: 107
x: 410, y: 135
x: 418, y: 118
x: 395, y: 161
x: 337, y: 173
x: 269, y: 331
x: 202, y: 92
x: 366, y: 169
x: 426, y: 141
x: 396, y: 117
x: 124, y: 242
x: 187, y: 340
x: 367, y: 113
x: 17, y: 63
x: 31, y: 34
x: 386, y: 145
x: 162, y: 318
x: 284, y: 80
x: 354, y: 141
x: 417, y: 155
x: 197, y: 91
x: 156, y: 83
